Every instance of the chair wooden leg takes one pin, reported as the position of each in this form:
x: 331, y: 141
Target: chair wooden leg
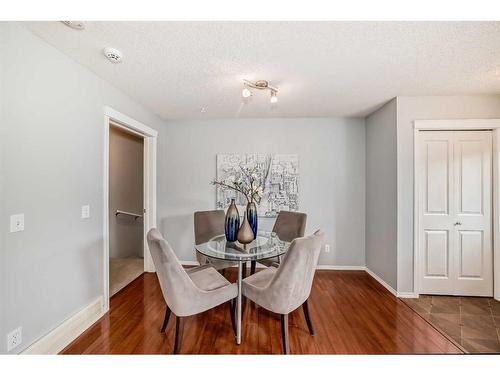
x: 244, y: 270
x: 179, y: 325
x: 232, y: 311
x: 253, y: 265
x: 305, y: 307
x: 284, y: 333
x: 165, y: 320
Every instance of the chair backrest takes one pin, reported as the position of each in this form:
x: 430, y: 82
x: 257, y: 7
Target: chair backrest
x: 290, y: 225
x: 208, y: 224
x: 292, y: 283
x: 177, y: 287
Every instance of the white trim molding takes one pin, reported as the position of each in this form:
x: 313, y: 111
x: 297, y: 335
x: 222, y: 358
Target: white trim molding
x: 381, y: 281
x: 407, y: 295
x: 466, y: 124
x: 115, y: 118
x: 129, y: 122
x: 390, y: 288
x: 340, y: 268
x: 61, y: 336
x: 326, y: 267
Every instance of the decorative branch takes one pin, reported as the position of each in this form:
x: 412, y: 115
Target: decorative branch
x: 252, y: 187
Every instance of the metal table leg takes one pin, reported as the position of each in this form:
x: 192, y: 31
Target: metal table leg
x: 238, y: 304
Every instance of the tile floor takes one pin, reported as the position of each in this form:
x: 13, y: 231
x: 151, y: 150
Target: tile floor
x: 471, y: 322
x: 122, y: 271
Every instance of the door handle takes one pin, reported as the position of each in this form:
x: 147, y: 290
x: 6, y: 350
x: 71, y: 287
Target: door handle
x: 457, y: 223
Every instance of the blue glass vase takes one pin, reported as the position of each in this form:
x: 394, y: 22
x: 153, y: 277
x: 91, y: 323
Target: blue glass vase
x: 252, y: 217
x: 232, y: 222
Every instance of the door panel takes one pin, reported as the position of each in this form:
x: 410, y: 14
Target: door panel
x: 436, y: 253
x: 436, y: 172
x: 455, y: 186
x: 470, y: 176
x: 437, y: 164
x: 473, y: 202
x: 470, y: 252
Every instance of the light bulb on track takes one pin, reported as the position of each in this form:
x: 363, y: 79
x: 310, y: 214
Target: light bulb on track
x: 246, y: 93
x: 274, y: 98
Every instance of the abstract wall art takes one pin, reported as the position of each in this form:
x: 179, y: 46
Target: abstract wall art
x: 280, y: 173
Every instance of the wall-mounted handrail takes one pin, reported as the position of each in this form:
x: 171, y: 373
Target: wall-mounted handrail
x: 120, y: 212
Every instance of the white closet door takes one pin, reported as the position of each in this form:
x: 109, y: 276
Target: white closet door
x: 472, y: 193
x: 436, y: 212
x: 455, y: 212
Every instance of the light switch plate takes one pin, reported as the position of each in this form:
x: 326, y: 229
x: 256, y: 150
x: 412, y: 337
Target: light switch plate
x: 327, y: 248
x: 85, y: 211
x: 16, y: 223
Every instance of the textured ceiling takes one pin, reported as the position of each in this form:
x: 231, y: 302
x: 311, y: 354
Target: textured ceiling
x: 321, y: 68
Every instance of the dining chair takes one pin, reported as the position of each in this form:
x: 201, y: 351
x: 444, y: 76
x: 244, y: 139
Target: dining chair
x: 208, y: 224
x: 282, y: 290
x: 188, y: 292
x: 288, y: 226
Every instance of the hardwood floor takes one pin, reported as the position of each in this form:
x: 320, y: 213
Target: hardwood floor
x: 351, y: 312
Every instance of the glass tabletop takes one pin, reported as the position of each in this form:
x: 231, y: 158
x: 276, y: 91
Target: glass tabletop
x: 266, y: 245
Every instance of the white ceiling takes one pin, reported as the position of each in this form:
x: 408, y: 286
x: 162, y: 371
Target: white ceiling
x: 321, y: 68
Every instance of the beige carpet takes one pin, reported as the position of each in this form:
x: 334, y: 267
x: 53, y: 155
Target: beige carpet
x: 122, y: 271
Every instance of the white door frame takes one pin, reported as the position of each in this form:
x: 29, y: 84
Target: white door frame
x: 150, y: 139
x: 468, y: 124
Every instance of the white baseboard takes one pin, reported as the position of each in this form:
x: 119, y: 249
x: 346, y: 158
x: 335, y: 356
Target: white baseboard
x: 407, y: 295
x: 340, y: 268
x: 390, y: 288
x: 381, y: 281
x: 319, y: 267
x: 57, y: 339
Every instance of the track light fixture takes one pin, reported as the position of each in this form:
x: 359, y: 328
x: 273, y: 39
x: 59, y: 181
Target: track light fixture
x: 259, y: 85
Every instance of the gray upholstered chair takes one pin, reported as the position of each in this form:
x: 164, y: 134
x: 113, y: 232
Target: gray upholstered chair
x: 187, y: 292
x: 283, y: 289
x: 208, y: 224
x: 288, y: 226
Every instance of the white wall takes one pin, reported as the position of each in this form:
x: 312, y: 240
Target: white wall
x: 332, y: 175
x: 51, y: 155
x: 410, y: 109
x: 381, y: 193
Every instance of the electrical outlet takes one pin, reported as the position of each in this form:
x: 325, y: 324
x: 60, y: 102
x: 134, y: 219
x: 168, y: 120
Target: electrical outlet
x: 85, y: 212
x: 327, y: 248
x: 16, y: 223
x: 14, y: 338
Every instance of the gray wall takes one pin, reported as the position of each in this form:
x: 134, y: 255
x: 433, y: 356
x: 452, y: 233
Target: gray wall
x: 425, y: 108
x: 381, y: 193
x: 332, y: 175
x: 51, y: 154
x: 126, y: 162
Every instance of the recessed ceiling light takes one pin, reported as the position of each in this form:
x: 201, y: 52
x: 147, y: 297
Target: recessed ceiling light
x: 113, y: 55
x: 77, y: 25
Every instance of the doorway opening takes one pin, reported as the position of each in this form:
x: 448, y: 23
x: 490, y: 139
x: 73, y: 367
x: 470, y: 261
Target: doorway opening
x: 126, y: 207
x: 129, y: 200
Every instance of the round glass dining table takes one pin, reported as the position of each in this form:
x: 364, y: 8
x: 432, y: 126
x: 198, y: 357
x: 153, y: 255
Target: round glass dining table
x: 265, y: 246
